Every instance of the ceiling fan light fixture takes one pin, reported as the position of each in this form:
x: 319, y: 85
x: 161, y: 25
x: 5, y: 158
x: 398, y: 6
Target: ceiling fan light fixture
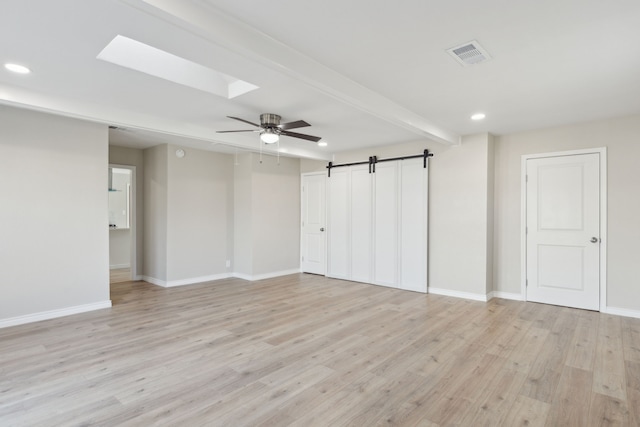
x: 268, y: 136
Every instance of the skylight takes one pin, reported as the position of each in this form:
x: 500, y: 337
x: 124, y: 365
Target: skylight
x: 138, y: 56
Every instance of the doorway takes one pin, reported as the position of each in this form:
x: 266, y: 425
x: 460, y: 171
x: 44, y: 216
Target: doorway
x: 564, y: 228
x: 122, y: 241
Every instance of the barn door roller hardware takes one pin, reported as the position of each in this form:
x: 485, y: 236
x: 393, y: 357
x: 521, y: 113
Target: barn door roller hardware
x: 374, y: 159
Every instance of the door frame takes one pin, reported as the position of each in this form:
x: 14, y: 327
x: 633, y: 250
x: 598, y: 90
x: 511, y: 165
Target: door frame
x: 302, y: 177
x: 133, y: 226
x: 602, y: 151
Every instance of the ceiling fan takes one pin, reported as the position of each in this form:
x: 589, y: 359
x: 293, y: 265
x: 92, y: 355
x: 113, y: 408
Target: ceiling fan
x: 270, y: 128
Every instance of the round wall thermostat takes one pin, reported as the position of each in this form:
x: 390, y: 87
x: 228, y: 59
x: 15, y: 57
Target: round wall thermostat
x: 179, y: 153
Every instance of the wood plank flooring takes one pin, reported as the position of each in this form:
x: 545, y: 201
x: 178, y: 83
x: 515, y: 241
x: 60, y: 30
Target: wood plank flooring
x: 304, y: 350
x: 118, y: 275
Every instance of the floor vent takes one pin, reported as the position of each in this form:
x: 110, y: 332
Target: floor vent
x: 469, y: 53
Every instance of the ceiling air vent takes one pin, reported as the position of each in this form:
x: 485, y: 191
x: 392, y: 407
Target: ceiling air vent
x: 469, y: 53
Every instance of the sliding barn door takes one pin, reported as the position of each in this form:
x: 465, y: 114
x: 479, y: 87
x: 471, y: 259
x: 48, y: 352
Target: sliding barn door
x: 339, y: 224
x: 413, y: 226
x: 361, y: 223
x: 377, y: 224
x: 385, y: 230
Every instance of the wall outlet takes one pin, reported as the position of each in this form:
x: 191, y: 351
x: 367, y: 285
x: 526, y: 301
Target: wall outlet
x: 228, y: 263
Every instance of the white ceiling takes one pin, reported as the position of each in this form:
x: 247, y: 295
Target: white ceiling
x: 363, y: 73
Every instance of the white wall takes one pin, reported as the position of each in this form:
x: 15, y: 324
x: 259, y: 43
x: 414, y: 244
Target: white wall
x: 134, y: 157
x: 54, y: 248
x: 621, y: 136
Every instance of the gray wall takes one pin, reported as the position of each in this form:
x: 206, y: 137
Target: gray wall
x: 267, y: 215
x: 119, y: 248
x: 155, y: 213
x: 621, y: 136
x: 243, y: 215
x: 54, y: 250
x: 276, y: 214
x: 199, y: 224
x: 58, y: 200
x: 459, y: 216
x: 207, y: 208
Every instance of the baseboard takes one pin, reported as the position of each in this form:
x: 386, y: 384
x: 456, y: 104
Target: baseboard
x: 506, y: 295
x: 137, y: 277
x: 52, y: 314
x: 117, y: 266
x: 265, y: 275
x: 154, y: 281
x: 183, y: 282
x: 194, y: 280
x: 458, y: 294
x: 621, y: 312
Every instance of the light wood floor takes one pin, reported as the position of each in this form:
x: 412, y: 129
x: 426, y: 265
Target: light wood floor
x: 118, y: 275
x: 304, y: 350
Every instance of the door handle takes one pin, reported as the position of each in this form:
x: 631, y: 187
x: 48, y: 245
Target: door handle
x: 322, y: 229
x: 594, y: 240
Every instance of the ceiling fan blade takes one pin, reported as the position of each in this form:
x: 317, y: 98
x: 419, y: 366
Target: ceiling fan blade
x: 293, y: 125
x: 301, y: 136
x: 229, y: 131
x: 243, y: 120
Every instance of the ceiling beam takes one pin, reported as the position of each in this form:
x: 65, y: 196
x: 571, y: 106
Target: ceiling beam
x: 194, y: 136
x: 236, y: 36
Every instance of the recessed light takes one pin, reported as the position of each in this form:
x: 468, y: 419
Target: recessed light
x: 322, y: 143
x: 478, y: 116
x: 17, y: 68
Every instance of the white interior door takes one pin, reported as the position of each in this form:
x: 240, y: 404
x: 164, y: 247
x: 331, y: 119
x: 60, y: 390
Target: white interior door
x: 563, y: 230
x: 313, y: 240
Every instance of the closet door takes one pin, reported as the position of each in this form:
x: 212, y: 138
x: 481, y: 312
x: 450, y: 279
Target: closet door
x: 339, y: 224
x: 361, y: 212
x: 377, y: 224
x: 385, y: 225
x: 413, y: 225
